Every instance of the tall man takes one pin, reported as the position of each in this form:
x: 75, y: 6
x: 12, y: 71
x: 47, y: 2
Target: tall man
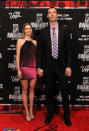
x: 54, y: 61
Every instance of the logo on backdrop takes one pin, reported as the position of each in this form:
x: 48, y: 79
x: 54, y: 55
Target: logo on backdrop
x: 12, y: 47
x: 64, y: 17
x: 1, y: 98
x: 13, y: 65
x: 85, y: 85
x: 85, y: 68
x: 39, y: 24
x: 15, y: 15
x: 85, y: 25
x: 0, y: 55
x: 84, y: 38
x: 17, y: 95
x: 14, y: 35
x: 85, y: 55
x: 14, y: 78
x: 84, y: 88
x: 1, y: 86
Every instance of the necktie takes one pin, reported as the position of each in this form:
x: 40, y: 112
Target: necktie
x: 54, y: 44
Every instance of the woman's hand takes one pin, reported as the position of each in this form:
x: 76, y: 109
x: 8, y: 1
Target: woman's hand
x: 19, y: 74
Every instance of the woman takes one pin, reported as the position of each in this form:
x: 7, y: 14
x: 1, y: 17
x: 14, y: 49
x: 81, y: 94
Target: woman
x: 26, y: 67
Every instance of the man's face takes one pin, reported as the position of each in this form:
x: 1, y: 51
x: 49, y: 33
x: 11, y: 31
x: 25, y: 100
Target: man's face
x: 52, y: 15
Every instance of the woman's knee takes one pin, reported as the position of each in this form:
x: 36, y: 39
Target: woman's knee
x: 24, y: 90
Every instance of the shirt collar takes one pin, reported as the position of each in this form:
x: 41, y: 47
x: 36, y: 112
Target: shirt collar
x: 54, y: 26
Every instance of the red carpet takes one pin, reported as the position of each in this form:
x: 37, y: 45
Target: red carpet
x: 79, y: 118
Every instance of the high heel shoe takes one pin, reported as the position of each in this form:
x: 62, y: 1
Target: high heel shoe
x: 28, y: 118
x: 32, y: 116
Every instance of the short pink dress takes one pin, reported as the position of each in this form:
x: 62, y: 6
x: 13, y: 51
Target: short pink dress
x: 28, y: 61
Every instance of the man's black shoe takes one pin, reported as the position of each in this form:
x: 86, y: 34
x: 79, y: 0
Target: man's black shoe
x: 48, y: 119
x: 67, y: 120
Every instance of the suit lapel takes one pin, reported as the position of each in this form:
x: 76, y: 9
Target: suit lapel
x: 49, y: 38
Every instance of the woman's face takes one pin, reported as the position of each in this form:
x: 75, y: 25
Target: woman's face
x: 28, y: 30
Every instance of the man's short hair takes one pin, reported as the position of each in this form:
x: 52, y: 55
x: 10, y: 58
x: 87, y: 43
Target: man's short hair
x: 52, y: 7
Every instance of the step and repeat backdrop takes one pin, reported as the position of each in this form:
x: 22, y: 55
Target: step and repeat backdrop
x: 13, y: 14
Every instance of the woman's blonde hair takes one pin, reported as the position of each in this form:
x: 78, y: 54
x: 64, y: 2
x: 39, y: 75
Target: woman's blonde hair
x: 23, y: 34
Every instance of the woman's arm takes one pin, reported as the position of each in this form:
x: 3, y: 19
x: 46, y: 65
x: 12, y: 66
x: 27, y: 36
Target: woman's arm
x: 18, y: 48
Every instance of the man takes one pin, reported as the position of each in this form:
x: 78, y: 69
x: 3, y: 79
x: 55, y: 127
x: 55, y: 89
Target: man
x: 54, y: 61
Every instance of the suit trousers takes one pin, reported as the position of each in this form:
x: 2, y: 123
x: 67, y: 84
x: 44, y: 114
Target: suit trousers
x: 53, y: 74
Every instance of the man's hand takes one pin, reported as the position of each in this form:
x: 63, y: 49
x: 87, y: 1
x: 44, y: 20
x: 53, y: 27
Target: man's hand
x: 40, y: 72
x: 68, y: 72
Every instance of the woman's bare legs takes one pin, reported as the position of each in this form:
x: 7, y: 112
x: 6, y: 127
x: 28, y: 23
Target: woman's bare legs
x: 31, y: 95
x: 24, y: 84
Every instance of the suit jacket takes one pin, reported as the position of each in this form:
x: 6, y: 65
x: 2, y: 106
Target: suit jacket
x: 44, y: 50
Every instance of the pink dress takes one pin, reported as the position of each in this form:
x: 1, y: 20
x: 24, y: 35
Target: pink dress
x: 28, y: 61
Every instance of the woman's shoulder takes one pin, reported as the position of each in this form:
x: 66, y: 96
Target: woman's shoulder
x: 34, y: 42
x: 20, y: 40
